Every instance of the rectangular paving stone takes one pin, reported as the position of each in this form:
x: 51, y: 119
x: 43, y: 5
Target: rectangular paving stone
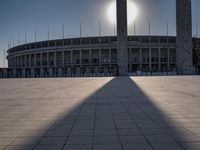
x: 77, y: 147
x: 132, y: 139
x: 103, y: 132
x: 52, y: 140
x: 137, y: 146
x: 48, y: 147
x: 107, y: 147
x: 106, y: 140
x: 80, y: 140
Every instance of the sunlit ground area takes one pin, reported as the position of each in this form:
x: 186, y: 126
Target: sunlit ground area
x: 121, y: 113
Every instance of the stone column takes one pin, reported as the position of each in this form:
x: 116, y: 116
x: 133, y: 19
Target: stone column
x: 130, y: 60
x: 159, y: 62
x: 32, y: 72
x: 122, y: 53
x: 63, y: 59
x: 140, y: 53
x: 14, y: 73
x: 55, y: 59
x: 150, y: 63
x: 110, y: 57
x: 99, y: 57
x: 184, y: 54
x: 35, y: 62
x: 30, y: 65
x: 71, y: 58
x: 23, y: 72
x: 90, y: 57
x: 41, y: 60
x: 168, y: 59
x: 80, y: 57
x: 41, y: 72
x: 60, y: 72
x: 25, y: 61
x: 47, y: 59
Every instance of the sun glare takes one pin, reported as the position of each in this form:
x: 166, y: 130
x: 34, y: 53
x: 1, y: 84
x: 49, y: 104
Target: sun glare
x: 131, y: 12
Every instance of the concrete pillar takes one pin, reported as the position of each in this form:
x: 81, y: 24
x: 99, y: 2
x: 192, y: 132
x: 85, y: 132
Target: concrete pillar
x: 140, y: 53
x: 87, y: 72
x: 50, y: 72
x: 99, y: 57
x: 159, y: 61
x: 30, y: 61
x: 90, y: 57
x: 122, y: 53
x: 47, y: 59
x: 80, y: 57
x: 14, y: 73
x: 71, y: 58
x: 168, y: 59
x: 63, y: 59
x: 55, y: 59
x: 25, y: 61
x: 60, y: 72
x: 78, y: 72
x: 33, y: 72
x: 184, y: 56
x: 35, y: 62
x: 41, y: 72
x: 96, y: 71
x: 23, y: 72
x: 21, y: 62
x: 150, y: 63
x: 110, y: 63
x: 41, y: 60
x: 69, y: 72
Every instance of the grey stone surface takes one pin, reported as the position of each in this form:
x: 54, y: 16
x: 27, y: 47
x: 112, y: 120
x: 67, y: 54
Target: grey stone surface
x: 100, y: 113
x: 122, y: 40
x: 184, y: 57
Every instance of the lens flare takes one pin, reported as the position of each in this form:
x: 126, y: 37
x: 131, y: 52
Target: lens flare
x: 131, y: 12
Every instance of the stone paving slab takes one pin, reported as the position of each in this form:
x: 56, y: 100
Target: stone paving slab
x: 141, y: 113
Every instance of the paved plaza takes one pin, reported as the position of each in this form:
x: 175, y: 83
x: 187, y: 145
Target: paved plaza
x: 140, y: 113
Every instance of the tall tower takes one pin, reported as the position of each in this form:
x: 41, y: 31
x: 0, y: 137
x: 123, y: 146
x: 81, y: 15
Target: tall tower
x: 184, y: 37
x: 122, y: 52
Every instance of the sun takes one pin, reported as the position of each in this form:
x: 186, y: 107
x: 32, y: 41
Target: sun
x: 131, y: 12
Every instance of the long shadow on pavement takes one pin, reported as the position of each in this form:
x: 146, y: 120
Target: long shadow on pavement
x: 118, y: 116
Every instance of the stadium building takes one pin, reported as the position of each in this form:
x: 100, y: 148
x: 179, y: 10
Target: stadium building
x: 111, y: 55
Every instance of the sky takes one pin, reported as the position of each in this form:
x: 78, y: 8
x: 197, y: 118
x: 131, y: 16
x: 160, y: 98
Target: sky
x: 20, y: 16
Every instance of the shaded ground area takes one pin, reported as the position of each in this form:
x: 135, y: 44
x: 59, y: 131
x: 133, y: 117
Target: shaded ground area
x: 143, y: 113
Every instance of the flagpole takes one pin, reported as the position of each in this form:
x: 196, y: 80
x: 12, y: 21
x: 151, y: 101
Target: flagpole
x: 80, y: 29
x: 134, y: 28
x: 48, y: 33
x: 149, y: 27
x: 63, y: 31
x: 196, y: 30
x: 99, y: 28
x: 25, y: 37
x: 18, y: 39
x: 35, y: 35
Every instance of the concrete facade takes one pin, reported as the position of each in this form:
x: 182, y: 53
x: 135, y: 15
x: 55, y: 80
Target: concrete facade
x: 184, y: 37
x: 95, y: 56
x: 122, y: 40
